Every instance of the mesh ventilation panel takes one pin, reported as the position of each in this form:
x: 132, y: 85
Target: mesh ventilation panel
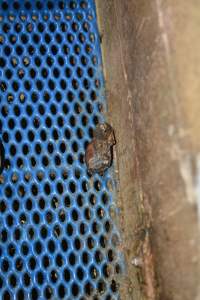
x: 57, y: 238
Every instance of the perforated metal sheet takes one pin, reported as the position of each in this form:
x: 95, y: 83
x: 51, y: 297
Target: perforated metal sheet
x: 57, y: 239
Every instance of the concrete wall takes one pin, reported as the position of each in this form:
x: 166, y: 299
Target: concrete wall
x: 151, y: 55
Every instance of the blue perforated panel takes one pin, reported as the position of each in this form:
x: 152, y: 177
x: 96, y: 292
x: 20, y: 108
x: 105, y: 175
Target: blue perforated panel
x: 57, y: 239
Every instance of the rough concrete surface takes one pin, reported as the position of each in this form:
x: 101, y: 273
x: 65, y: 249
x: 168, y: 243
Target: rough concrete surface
x: 151, y: 56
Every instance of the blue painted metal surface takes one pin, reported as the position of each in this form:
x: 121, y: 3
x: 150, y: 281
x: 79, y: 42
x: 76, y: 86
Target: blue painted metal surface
x: 57, y: 239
